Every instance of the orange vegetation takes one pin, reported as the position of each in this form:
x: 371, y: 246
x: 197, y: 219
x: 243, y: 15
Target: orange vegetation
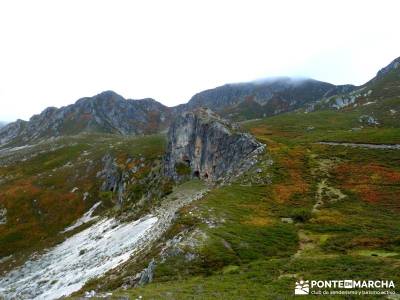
x: 258, y: 221
x: 294, y: 183
x: 367, y: 242
x: 35, y: 213
x: 372, y: 182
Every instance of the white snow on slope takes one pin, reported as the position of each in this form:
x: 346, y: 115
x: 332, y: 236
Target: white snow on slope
x: 87, y: 217
x: 66, y: 267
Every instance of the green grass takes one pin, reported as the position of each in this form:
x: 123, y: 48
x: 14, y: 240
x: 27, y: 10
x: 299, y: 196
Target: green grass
x: 268, y: 279
x: 239, y: 247
x: 294, y: 128
x: 250, y: 253
x: 38, y: 194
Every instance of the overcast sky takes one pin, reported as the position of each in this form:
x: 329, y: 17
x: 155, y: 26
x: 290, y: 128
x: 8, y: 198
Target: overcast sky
x: 55, y: 52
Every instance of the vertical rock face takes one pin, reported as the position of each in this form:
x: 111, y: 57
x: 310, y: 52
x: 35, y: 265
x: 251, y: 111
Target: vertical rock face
x: 203, y: 145
x: 110, y: 174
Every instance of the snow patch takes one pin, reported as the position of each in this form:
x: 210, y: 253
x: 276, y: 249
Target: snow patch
x: 87, y: 217
x: 65, y: 268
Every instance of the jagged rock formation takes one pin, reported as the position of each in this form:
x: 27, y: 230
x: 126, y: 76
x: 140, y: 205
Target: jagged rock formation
x: 394, y: 65
x: 386, y: 83
x: 110, y: 174
x: 201, y: 144
x: 339, y: 90
x: 11, y: 131
x: 106, y: 112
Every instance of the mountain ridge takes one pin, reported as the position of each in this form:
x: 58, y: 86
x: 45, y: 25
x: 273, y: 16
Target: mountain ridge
x: 108, y: 112
x: 385, y: 85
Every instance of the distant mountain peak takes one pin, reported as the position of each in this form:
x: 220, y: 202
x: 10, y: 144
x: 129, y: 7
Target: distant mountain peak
x: 110, y: 112
x: 106, y: 112
x: 255, y: 99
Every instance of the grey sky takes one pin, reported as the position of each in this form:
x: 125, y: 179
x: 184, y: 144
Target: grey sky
x: 54, y: 52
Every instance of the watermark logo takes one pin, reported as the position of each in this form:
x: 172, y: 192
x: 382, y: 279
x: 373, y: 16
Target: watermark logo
x: 302, y: 287
x: 344, y: 287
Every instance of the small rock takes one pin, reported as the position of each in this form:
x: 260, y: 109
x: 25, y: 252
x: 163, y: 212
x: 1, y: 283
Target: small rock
x: 370, y: 120
x: 287, y: 220
x: 85, y: 196
x: 3, y: 215
x: 147, y: 274
x: 90, y: 294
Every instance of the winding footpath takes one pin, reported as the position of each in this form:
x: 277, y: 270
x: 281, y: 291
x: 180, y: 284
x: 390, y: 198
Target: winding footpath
x: 368, y: 146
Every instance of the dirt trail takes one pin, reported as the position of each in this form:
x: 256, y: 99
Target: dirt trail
x: 324, y: 193
x: 368, y: 146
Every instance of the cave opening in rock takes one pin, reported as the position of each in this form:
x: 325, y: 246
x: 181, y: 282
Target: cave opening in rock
x: 196, y: 174
x: 186, y: 160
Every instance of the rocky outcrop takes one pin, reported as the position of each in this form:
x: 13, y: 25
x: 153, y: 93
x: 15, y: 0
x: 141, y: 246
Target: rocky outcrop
x: 202, y: 144
x: 394, y: 65
x: 147, y: 274
x: 110, y: 174
x: 368, y: 120
x: 135, y: 180
x: 340, y: 90
x: 3, y: 215
x: 11, y: 131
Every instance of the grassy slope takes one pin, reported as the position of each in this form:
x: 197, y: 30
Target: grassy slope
x: 248, y: 251
x: 251, y: 254
x: 37, y: 192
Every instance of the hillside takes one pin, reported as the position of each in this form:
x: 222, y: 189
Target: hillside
x: 306, y: 210
x: 385, y: 85
x: 294, y: 208
x: 97, y: 200
x: 108, y: 112
x: 274, y: 96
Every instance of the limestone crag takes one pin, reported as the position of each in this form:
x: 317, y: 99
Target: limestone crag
x: 202, y: 144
